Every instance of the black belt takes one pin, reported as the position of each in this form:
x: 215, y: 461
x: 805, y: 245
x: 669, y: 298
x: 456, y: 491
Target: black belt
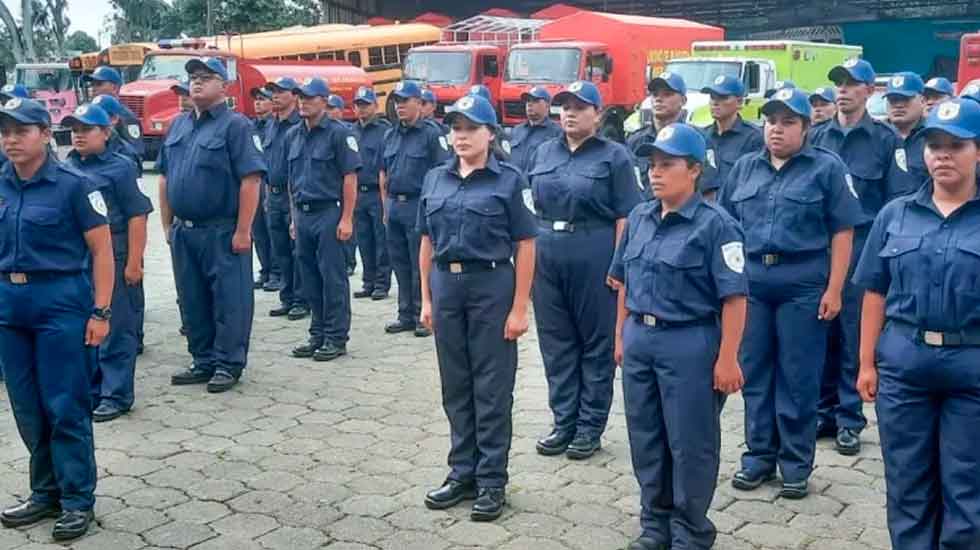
x: 654, y: 321
x: 20, y: 278
x: 403, y: 197
x: 565, y: 226
x: 277, y: 189
x: 215, y: 222
x: 367, y: 188
x: 969, y: 336
x: 469, y: 266
x: 315, y: 206
x: 775, y: 258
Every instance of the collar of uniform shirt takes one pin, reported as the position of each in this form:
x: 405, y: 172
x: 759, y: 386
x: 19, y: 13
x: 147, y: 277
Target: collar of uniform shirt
x: 212, y: 111
x: 595, y: 138
x: 492, y: 165
x: 47, y: 172
x: 923, y: 197
x: 103, y: 156
x: 866, y: 123
x: 402, y: 127
x: 805, y: 151
x: 736, y: 128
x: 686, y: 211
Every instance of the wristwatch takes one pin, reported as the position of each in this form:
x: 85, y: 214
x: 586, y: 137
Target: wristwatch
x: 102, y: 313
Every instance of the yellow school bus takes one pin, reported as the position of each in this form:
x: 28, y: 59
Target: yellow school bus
x: 125, y: 58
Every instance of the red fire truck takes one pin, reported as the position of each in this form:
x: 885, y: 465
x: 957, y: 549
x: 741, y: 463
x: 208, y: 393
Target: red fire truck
x: 969, y: 69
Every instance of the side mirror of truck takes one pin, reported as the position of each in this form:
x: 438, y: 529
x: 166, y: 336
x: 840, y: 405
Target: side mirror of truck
x: 609, y: 66
x: 490, y: 67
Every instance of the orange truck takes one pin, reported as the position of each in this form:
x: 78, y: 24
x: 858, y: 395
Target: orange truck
x: 969, y: 69
x: 614, y: 51
x: 152, y: 101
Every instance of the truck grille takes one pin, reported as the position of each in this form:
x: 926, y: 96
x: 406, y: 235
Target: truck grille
x: 514, y: 109
x: 134, y: 103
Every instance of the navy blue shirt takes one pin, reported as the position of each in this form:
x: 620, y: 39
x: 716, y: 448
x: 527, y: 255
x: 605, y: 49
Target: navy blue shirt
x: 868, y: 150
x: 130, y: 131
x: 724, y: 149
x: 274, y: 145
x: 43, y: 220
x: 3, y: 158
x: 908, y: 170
x: 438, y: 124
x: 680, y: 267
x: 410, y: 152
x: 370, y: 138
x: 205, y: 158
x: 595, y: 183
x: 927, y: 266
x: 114, y: 176
x: 525, y: 139
x: 797, y: 208
x: 116, y: 144
x: 319, y: 158
x: 478, y: 217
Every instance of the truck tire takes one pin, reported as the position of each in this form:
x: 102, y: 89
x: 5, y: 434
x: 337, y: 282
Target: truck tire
x: 611, y: 125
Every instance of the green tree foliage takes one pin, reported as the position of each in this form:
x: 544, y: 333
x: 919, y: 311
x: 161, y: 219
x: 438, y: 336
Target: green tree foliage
x: 80, y: 41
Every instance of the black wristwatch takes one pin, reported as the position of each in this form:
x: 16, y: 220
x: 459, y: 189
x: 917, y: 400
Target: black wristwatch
x: 102, y: 313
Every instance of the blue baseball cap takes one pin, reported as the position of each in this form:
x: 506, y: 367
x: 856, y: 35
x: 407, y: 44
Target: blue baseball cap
x: 256, y: 93
x: 677, y: 140
x: 407, y: 89
x: 428, y: 95
x: 313, y: 87
x: 365, y: 94
x: 905, y: 84
x: 971, y: 91
x: 794, y: 99
x: 855, y: 69
x: 474, y: 107
x: 780, y: 85
x: 959, y: 118
x: 536, y: 93
x: 210, y: 64
x: 11, y: 91
x: 583, y: 90
x: 482, y: 91
x: 104, y: 74
x: 88, y: 115
x: 824, y: 93
x: 335, y: 101
x: 25, y: 111
x: 725, y: 85
x: 109, y: 104
x: 182, y: 87
x: 940, y: 86
x: 284, y: 83
x: 669, y: 80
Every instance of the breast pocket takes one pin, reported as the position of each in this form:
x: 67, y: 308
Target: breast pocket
x: 486, y: 222
x: 550, y: 191
x: 966, y: 267
x: 41, y: 223
x: 7, y: 231
x: 746, y: 204
x: 639, y: 271
x: 439, y: 219
x: 904, y: 263
x: 593, y: 183
x: 324, y: 164
x: 680, y: 265
x: 804, y: 214
x: 212, y: 157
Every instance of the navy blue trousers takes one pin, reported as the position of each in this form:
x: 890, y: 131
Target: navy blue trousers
x: 321, y: 259
x: 49, y: 373
x: 477, y: 368
x: 117, y: 355
x: 370, y: 230
x: 403, y: 249
x: 284, y: 252
x: 262, y: 241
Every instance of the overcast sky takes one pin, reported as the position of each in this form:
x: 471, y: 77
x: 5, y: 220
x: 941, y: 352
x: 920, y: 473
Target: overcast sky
x: 85, y: 15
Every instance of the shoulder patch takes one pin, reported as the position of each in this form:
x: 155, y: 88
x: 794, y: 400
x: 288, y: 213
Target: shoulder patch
x: 850, y: 185
x: 901, y: 160
x: 528, y: 197
x: 710, y: 156
x: 443, y: 143
x: 97, y: 201
x: 638, y: 176
x: 734, y: 256
x: 134, y: 131
x: 141, y: 185
x: 352, y: 143
x: 257, y: 142
x: 505, y: 145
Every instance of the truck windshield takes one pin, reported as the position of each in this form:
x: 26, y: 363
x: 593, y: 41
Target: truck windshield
x: 164, y: 67
x: 543, y: 65
x: 439, y: 67
x: 701, y: 74
x: 44, y: 79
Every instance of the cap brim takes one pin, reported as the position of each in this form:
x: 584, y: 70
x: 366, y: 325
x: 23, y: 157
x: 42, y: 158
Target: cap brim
x: 649, y: 148
x: 718, y: 91
x: 937, y: 91
x: 562, y: 97
x: 365, y: 100
x: 305, y: 92
x: 453, y: 115
x: 20, y: 119
x: 841, y: 73
x: 527, y: 96
x: 657, y: 83
x: 901, y: 93
x: 404, y: 95
x: 197, y: 64
x: 954, y: 131
x: 776, y: 105
x: 273, y: 87
x: 823, y: 98
x: 180, y: 90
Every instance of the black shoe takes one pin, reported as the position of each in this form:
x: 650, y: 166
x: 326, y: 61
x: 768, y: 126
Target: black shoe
x: 450, y: 494
x: 72, y: 524
x: 489, y: 504
x: 190, y: 376
x: 306, y: 350
x: 646, y: 543
x: 350, y: 270
x: 744, y: 480
x: 280, y: 311
x: 274, y: 284
x: 848, y: 442
x: 28, y: 513
x: 379, y: 295
x: 554, y: 444
x: 298, y: 312
x: 364, y: 293
x: 106, y: 412
x: 221, y: 382
x: 259, y: 283
x: 139, y: 349
x: 183, y: 330
x: 826, y: 430
x: 398, y: 326
x: 794, y: 490
x: 583, y: 447
x: 329, y: 352
x: 422, y: 332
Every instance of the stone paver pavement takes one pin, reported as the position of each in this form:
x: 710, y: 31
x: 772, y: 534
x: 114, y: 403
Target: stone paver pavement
x: 338, y: 455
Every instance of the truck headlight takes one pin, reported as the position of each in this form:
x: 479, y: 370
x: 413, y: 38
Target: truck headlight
x: 158, y: 126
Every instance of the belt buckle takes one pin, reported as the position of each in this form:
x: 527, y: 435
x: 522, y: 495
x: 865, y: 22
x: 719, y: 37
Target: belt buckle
x: 18, y: 278
x: 560, y: 225
x: 650, y: 320
x: 455, y: 267
x: 363, y: 188
x: 932, y: 338
x: 305, y: 207
x: 188, y: 223
x: 770, y: 259
x: 401, y: 198
x: 275, y: 190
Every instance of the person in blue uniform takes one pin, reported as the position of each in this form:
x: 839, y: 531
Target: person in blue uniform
x: 10, y: 91
x: 211, y: 167
x: 971, y: 91
x: 906, y: 113
x: 681, y: 269
x: 780, y: 85
x: 105, y: 80
x: 823, y: 105
x: 183, y: 91
x: 936, y: 91
x: 370, y: 130
x: 527, y: 136
x: 798, y: 207
x: 475, y: 214
x: 729, y: 137
x: 323, y: 158
x: 429, y: 104
x: 56, y: 280
x: 669, y: 93
x: 292, y: 303
x: 335, y: 110
x: 920, y: 340
x: 114, y: 175
x: 269, y: 278
x: 500, y: 145
x: 411, y: 149
x: 867, y: 147
x: 583, y: 186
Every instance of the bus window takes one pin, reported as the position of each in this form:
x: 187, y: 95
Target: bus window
x: 403, y: 50
x: 308, y: 57
x: 374, y: 57
x: 391, y: 55
x: 338, y: 55
x: 354, y: 58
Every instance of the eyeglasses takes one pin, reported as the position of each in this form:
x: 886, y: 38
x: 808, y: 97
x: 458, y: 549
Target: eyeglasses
x: 203, y: 77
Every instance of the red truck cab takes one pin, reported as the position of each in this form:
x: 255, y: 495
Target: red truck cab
x: 969, y: 68
x: 451, y: 69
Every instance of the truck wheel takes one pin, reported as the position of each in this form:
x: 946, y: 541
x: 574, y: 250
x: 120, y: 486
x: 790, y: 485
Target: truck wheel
x: 611, y: 126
